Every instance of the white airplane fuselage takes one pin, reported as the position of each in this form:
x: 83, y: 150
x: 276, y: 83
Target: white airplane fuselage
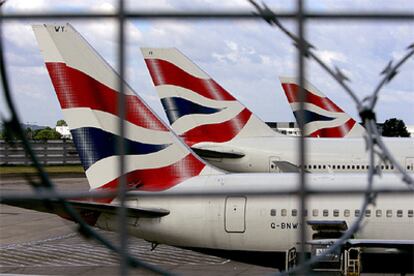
x: 322, y: 154
x: 267, y: 223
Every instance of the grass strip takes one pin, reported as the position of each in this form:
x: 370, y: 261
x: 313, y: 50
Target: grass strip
x: 53, y: 169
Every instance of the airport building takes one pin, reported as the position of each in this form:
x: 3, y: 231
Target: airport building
x: 292, y: 128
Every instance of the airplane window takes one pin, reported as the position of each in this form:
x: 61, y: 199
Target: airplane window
x: 347, y: 212
x: 273, y: 212
x: 348, y: 167
x: 357, y: 212
x: 272, y: 166
x: 382, y: 167
x: 314, y: 166
x: 410, y: 213
x: 336, y: 213
x: 389, y: 213
x: 315, y: 212
x: 378, y: 213
x: 325, y: 212
x: 386, y: 167
x: 333, y: 167
x: 294, y: 212
x: 392, y: 167
x: 284, y: 212
x: 353, y: 167
x: 343, y: 167
x: 367, y: 213
x: 357, y: 167
x: 319, y: 166
x: 324, y: 167
x: 399, y: 213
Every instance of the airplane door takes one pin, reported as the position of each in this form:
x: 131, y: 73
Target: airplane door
x: 273, y: 168
x: 234, y: 220
x: 409, y: 164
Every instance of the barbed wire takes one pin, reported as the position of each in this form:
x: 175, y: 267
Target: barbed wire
x: 45, y: 190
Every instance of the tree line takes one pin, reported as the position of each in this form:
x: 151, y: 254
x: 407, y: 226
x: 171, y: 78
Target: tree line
x: 47, y: 133
x: 391, y: 128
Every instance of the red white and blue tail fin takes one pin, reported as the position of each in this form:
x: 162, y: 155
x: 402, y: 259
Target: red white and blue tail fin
x: 198, y: 108
x: 87, y: 89
x: 323, y: 118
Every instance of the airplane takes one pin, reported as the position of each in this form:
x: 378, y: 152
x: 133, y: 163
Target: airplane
x: 228, y: 135
x: 250, y: 223
x: 323, y: 118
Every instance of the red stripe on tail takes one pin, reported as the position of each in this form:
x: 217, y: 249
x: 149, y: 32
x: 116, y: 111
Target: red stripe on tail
x: 163, y: 72
x: 221, y: 132
x: 157, y: 179
x: 335, y: 132
x: 292, y: 93
x: 76, y: 89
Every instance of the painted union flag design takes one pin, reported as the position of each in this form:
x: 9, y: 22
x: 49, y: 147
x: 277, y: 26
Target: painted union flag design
x: 322, y: 117
x: 197, y: 107
x: 86, y: 87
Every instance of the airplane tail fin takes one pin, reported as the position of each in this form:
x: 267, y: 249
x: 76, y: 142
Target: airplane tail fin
x: 323, y: 118
x: 198, y: 108
x: 87, y: 89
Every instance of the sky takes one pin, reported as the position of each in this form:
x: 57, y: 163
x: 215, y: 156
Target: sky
x: 245, y: 56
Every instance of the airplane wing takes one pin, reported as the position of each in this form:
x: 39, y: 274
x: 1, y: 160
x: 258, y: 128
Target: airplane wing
x: 328, y: 231
x: 370, y: 243
x: 328, y: 225
x: 214, y: 153
x: 223, y: 152
x: 286, y: 167
x: 55, y: 207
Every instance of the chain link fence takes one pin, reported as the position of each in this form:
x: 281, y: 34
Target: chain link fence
x: 45, y: 188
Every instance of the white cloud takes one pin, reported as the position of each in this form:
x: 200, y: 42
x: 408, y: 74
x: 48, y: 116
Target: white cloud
x: 104, y: 7
x: 20, y: 35
x: 24, y: 5
x: 42, y: 5
x: 330, y: 56
x: 397, y: 96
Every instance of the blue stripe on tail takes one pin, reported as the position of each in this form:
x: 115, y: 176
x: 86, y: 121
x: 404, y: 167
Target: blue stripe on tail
x: 177, y: 107
x: 94, y: 144
x: 312, y: 116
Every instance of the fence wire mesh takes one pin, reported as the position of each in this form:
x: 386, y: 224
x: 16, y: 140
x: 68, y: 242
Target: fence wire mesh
x: 45, y: 190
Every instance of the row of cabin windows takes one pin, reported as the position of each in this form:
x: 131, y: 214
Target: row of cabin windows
x: 346, y: 213
x: 348, y: 167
